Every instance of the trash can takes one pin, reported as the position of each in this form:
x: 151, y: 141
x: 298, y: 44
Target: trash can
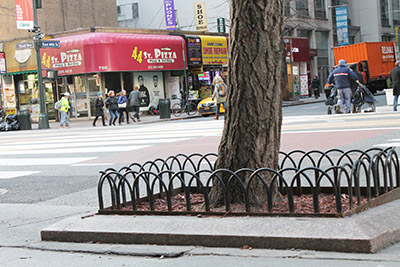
x: 24, y: 119
x: 165, y: 108
x: 389, y: 96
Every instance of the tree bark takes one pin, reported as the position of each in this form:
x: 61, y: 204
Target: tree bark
x: 251, y: 136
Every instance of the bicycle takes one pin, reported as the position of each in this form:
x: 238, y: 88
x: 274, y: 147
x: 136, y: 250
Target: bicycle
x: 184, y: 106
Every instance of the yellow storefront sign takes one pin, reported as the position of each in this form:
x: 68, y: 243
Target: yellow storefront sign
x: 214, y: 50
x: 20, y: 55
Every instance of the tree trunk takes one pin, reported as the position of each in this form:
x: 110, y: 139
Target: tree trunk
x: 251, y: 137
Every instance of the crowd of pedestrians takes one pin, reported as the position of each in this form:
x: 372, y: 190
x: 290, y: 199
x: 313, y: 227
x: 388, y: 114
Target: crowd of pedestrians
x: 118, y: 107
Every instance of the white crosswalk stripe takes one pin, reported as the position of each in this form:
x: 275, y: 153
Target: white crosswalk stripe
x: 22, y: 154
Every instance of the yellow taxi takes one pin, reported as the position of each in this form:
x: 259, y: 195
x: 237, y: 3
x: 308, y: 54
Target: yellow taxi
x: 208, y: 106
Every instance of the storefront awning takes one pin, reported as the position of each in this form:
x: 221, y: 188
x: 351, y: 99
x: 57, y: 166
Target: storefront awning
x: 106, y: 52
x: 22, y: 72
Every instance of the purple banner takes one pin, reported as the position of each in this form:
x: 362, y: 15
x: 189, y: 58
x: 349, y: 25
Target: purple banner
x: 170, y: 14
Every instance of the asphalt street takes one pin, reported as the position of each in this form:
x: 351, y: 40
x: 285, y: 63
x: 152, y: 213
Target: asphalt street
x: 49, y: 175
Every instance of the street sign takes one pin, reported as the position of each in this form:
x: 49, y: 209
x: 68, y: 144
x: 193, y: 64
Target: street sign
x: 50, y: 44
x: 221, y: 25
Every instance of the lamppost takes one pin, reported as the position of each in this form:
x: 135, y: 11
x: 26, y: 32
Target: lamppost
x: 43, y: 120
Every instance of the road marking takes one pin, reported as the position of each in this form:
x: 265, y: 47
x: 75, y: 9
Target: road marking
x: 14, y: 174
x: 341, y: 130
x: 396, y: 144
x: 92, y: 164
x: 42, y: 161
x: 76, y: 150
x: 88, y: 143
x: 3, y: 191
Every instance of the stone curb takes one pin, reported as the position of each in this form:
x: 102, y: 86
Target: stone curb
x: 362, y: 233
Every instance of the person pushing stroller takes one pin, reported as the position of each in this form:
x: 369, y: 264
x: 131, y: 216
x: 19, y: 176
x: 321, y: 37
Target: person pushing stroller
x: 342, y: 77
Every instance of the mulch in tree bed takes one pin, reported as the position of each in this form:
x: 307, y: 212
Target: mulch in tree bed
x: 303, y: 205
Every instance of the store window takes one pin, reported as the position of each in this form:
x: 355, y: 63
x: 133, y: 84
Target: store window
x: 387, y: 38
x: 80, y: 100
x: 385, y: 13
x: 29, y: 98
x: 319, y: 9
x: 303, y: 33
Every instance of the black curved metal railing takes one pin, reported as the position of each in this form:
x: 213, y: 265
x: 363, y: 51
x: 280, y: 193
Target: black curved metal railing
x: 356, y: 174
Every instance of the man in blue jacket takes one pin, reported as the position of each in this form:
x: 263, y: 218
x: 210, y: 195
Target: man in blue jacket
x: 342, y: 77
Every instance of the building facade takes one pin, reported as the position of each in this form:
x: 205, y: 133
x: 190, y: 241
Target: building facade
x: 59, y: 16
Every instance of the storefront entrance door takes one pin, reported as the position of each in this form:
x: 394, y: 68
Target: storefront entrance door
x: 81, y: 98
x: 94, y: 88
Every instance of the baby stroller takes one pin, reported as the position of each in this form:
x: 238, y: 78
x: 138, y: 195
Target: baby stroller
x: 361, y: 96
x: 332, y: 99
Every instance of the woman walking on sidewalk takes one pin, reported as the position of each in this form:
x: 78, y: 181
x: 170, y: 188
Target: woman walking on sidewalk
x: 122, y: 105
x: 219, y: 94
x: 99, y: 112
x: 112, y: 105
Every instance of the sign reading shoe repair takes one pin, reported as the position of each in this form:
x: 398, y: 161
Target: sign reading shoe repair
x: 214, y: 50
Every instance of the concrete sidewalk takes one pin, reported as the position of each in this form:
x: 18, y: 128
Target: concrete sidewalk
x: 366, y: 232
x: 145, y: 118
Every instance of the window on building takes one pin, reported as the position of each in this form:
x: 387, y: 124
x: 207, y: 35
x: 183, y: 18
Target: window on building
x: 385, y: 12
x: 302, y: 8
x: 396, y: 12
x: 303, y: 33
x: 387, y: 38
x: 135, y: 10
x: 128, y: 11
x: 339, y: 2
x: 287, y: 7
x: 319, y: 9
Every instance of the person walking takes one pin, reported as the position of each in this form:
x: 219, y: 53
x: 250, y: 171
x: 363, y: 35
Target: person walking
x: 220, y: 90
x: 99, y: 112
x: 134, y: 103
x: 112, y: 105
x: 315, y: 84
x: 342, y: 77
x: 122, y: 105
x: 395, y: 79
x: 64, y: 121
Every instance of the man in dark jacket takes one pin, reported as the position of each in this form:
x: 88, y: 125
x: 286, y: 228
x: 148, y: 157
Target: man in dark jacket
x: 315, y: 83
x: 342, y: 76
x: 134, y: 104
x: 395, y: 79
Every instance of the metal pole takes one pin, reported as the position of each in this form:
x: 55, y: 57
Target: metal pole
x: 1, y: 89
x: 43, y: 120
x: 184, y: 65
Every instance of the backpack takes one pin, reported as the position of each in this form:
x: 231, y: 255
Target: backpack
x: 57, y: 105
x: 222, y: 89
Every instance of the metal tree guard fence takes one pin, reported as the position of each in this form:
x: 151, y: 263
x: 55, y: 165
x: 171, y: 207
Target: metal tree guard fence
x: 362, y: 178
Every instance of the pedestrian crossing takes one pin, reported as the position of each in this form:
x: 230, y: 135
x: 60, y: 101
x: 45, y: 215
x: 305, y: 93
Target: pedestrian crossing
x: 31, y: 152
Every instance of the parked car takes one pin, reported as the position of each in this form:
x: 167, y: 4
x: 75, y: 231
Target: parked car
x: 208, y: 106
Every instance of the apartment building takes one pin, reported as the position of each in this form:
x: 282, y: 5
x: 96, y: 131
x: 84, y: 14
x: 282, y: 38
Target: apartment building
x: 60, y: 15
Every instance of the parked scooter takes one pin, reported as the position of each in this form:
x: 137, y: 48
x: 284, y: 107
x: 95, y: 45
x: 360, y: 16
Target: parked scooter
x: 8, y: 122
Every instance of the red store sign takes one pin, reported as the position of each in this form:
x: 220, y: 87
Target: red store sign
x: 103, y: 52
